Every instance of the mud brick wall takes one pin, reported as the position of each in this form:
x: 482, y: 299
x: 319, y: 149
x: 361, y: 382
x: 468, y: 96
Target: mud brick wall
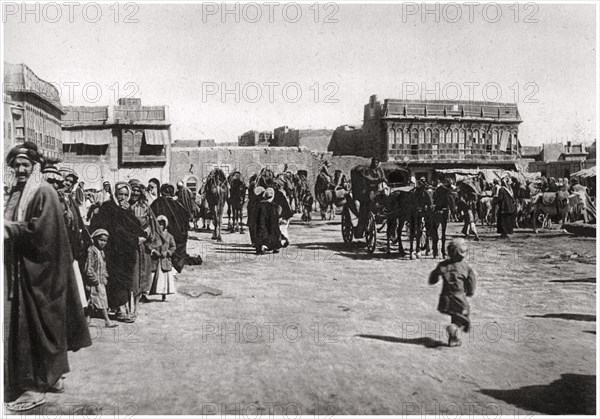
x: 198, y: 162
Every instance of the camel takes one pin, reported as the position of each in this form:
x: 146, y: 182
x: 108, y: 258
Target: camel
x: 235, y: 201
x: 287, y: 182
x: 216, y: 192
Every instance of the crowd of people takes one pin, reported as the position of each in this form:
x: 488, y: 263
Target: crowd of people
x: 72, y: 255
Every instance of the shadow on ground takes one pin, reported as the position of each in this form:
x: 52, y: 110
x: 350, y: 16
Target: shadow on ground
x: 583, y: 280
x: 572, y: 394
x: 426, y: 342
x: 566, y: 316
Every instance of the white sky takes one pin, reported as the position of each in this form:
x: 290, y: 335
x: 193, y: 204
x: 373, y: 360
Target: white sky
x: 170, y: 53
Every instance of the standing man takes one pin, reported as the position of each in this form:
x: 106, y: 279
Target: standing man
x: 43, y: 316
x: 186, y: 198
x: 505, y: 202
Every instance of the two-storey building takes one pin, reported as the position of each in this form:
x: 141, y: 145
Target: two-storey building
x: 117, y: 143
x: 434, y: 134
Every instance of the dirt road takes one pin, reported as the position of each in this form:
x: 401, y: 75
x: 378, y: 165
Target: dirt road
x: 323, y: 328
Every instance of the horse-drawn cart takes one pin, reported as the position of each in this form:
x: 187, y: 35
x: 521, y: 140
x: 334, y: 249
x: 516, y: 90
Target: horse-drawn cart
x: 363, y: 211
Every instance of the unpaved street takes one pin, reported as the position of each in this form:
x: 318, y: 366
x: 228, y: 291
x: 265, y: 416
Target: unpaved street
x: 324, y: 328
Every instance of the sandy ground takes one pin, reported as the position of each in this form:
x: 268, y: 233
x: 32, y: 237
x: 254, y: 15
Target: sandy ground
x: 324, y: 328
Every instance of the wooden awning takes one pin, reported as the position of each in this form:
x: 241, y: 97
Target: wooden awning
x: 90, y: 137
x: 157, y: 136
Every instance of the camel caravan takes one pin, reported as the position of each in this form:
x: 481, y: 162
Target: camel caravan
x: 484, y: 197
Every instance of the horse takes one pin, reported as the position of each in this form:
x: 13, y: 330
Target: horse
x: 235, y: 201
x: 552, y: 204
x: 485, y: 206
x: 442, y: 201
x: 415, y: 208
x: 216, y: 191
x: 330, y: 192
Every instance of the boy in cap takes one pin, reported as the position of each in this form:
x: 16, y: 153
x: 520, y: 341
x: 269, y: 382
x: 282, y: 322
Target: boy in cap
x: 458, y: 284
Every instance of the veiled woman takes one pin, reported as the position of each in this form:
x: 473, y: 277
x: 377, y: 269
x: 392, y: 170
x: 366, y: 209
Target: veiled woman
x: 43, y: 317
x: 125, y: 236
x: 178, y: 218
x: 153, y: 190
x: 143, y: 269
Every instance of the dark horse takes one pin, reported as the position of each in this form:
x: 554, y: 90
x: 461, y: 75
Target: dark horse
x: 413, y: 207
x: 443, y: 203
x: 216, y: 191
x: 235, y: 200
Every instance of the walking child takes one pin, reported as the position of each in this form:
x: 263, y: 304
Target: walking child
x: 164, y: 277
x: 458, y: 284
x: 97, y: 275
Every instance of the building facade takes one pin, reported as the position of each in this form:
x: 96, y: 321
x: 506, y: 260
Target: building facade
x: 560, y: 160
x: 434, y: 134
x: 117, y: 143
x: 256, y: 139
x: 32, y: 111
x: 313, y: 139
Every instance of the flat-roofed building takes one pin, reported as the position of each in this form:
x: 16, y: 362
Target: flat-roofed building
x: 117, y: 143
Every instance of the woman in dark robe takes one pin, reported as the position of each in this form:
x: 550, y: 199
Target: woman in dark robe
x: 143, y: 269
x: 505, y: 203
x: 179, y: 225
x: 43, y: 316
x: 267, y: 234
x: 121, y: 251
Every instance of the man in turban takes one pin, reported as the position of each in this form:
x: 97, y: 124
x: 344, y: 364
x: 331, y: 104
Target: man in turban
x: 43, y: 316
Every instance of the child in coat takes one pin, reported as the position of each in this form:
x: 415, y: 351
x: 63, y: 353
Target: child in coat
x: 458, y: 284
x: 97, y: 275
x: 164, y: 277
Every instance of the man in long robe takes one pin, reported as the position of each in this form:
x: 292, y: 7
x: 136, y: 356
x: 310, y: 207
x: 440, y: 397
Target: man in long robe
x: 505, y: 202
x: 143, y: 270
x: 43, y: 316
x: 179, y: 225
x: 186, y: 198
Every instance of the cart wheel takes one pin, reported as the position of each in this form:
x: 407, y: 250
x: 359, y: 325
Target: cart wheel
x: 371, y: 233
x: 347, y: 226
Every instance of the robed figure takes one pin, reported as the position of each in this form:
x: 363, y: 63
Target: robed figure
x: 43, y: 316
x: 178, y: 226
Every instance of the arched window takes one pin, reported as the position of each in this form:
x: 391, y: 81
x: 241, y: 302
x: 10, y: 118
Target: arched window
x: 414, y: 137
x: 428, y: 136
x: 475, y: 136
x: 421, y: 136
x: 455, y: 136
x: 494, y: 138
x: 435, y: 137
x: 462, y: 136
